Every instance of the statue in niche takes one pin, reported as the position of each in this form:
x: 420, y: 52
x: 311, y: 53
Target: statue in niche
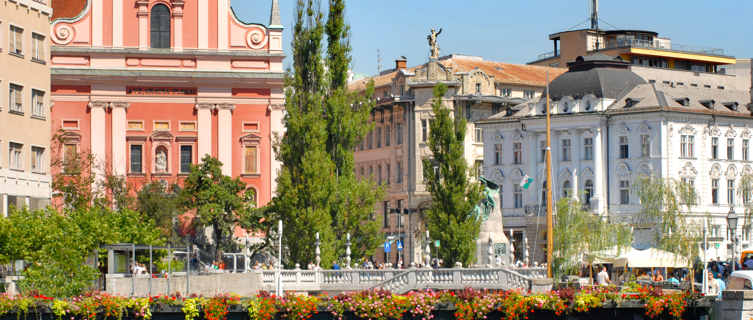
x: 160, y: 162
x: 433, y: 45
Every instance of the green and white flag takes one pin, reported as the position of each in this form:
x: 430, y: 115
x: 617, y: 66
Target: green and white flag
x: 526, y: 182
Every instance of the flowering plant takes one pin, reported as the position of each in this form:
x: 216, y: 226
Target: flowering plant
x: 262, y: 307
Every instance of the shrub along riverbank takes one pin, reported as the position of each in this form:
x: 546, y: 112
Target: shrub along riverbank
x: 597, y: 303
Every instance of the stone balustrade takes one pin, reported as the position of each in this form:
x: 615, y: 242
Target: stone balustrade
x: 404, y: 280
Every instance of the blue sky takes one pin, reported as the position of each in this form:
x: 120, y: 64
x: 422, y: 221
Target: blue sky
x: 515, y: 31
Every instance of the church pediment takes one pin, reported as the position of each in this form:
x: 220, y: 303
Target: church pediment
x: 161, y: 136
x: 250, y: 138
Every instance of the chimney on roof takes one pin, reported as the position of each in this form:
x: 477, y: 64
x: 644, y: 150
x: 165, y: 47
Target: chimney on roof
x: 401, y: 63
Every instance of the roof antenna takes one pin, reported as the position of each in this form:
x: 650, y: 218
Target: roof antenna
x: 595, y: 20
x: 379, y: 61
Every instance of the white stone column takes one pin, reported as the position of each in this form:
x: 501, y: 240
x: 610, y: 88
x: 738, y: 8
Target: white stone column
x: 203, y: 24
x: 117, y: 23
x: 98, y: 143
x: 97, y: 7
x: 223, y: 8
x: 178, y: 25
x: 204, y: 114
x: 225, y: 137
x: 143, y: 15
x: 119, y: 138
x: 277, y: 129
x: 599, y: 155
x: 4, y: 204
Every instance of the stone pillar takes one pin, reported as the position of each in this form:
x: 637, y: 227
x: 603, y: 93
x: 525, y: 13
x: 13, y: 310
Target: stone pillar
x: 223, y: 7
x: 178, y: 25
x: 119, y: 138
x: 277, y: 130
x: 204, y: 114
x: 225, y: 137
x: 737, y: 305
x: 143, y: 16
x: 574, y: 192
x: 598, y: 195
x: 97, y: 8
x: 203, y: 24
x: 4, y: 204
x: 117, y: 23
x: 98, y: 143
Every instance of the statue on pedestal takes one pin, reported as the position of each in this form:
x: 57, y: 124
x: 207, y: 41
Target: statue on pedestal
x: 491, y: 244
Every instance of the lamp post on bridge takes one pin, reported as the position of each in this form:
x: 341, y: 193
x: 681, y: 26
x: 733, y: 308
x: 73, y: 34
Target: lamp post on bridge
x: 347, y: 251
x: 318, y: 251
x: 732, y: 224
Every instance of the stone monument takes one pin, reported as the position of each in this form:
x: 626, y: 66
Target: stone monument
x: 491, y: 243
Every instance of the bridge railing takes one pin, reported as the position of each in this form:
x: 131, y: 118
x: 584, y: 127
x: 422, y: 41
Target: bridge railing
x: 402, y: 280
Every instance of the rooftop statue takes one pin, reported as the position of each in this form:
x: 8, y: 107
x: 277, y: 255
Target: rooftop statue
x: 433, y: 45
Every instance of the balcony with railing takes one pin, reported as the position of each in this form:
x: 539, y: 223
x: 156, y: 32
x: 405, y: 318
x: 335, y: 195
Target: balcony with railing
x: 661, y: 45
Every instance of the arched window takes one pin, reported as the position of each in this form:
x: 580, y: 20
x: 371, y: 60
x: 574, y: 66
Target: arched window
x: 566, y: 189
x: 588, y: 191
x: 160, y: 26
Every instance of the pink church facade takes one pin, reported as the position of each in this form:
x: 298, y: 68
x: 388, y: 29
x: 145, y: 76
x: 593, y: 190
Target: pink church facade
x: 149, y: 87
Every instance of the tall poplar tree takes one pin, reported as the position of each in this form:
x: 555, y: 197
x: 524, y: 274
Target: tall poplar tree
x: 305, y: 190
x: 454, y: 193
x: 347, y: 115
x: 317, y: 187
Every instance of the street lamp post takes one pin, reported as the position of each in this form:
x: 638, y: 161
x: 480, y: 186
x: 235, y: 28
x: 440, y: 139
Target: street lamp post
x: 732, y: 224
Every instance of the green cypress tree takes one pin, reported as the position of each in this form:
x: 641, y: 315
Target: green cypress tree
x: 305, y: 189
x: 454, y: 194
x: 347, y: 117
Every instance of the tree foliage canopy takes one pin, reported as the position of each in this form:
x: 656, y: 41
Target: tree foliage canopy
x: 450, y: 218
x: 317, y: 189
x: 577, y: 231
x: 219, y: 202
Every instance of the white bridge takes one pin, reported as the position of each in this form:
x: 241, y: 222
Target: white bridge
x: 404, y: 280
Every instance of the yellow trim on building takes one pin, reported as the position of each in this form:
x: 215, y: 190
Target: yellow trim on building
x: 683, y: 56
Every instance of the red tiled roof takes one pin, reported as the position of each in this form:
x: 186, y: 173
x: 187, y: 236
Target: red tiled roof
x: 67, y: 8
x: 507, y: 73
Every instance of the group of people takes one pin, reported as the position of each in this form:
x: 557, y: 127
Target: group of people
x: 138, y: 268
x: 714, y: 284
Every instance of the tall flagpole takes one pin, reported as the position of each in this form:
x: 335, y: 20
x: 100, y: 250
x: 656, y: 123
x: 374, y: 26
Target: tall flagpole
x: 549, y: 219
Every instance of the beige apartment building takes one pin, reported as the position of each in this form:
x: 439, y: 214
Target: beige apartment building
x: 392, y: 153
x: 24, y: 104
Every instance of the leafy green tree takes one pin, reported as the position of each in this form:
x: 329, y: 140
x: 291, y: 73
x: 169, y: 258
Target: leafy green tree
x: 577, y: 231
x: 219, y: 202
x: 155, y: 201
x: 60, y: 247
x: 454, y: 194
x: 347, y: 114
x: 305, y: 189
x: 662, y: 202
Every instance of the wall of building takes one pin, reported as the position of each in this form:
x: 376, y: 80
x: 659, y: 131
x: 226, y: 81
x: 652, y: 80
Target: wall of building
x: 22, y: 185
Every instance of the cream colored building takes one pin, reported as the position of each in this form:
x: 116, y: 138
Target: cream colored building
x: 393, y: 152
x: 24, y: 104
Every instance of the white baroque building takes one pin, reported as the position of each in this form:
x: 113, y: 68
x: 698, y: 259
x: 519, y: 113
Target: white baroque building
x: 610, y: 127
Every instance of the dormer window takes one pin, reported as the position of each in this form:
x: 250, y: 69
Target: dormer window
x: 478, y: 88
x: 731, y: 105
x: 588, y: 106
x: 565, y: 107
x: 709, y: 104
x: 629, y: 102
x: 683, y: 101
x: 160, y: 26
